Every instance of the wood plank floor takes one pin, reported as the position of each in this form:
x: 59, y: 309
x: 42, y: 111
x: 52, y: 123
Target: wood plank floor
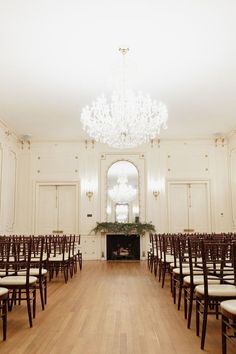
x: 108, y: 308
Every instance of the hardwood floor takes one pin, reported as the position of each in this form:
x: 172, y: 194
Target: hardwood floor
x: 108, y: 308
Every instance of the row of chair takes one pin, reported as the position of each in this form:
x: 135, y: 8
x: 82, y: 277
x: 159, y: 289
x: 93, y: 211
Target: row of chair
x: 203, y: 266
x: 26, y: 262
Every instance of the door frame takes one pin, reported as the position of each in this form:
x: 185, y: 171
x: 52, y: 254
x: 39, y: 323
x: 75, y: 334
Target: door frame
x: 189, y: 181
x: 54, y: 183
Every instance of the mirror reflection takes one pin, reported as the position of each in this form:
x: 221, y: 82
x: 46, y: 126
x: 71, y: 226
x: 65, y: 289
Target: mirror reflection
x: 122, y: 192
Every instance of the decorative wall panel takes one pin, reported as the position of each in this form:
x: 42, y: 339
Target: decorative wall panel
x: 187, y: 162
x: 233, y: 184
x: 56, y: 164
x: 11, y: 192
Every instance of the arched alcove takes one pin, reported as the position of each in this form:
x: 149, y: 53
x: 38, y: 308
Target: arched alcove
x: 122, y: 192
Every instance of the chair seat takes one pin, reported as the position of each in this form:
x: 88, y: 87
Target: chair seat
x: 229, y: 279
x: 58, y: 258
x: 37, y: 259
x: 229, y: 306
x: 221, y: 290
x: 199, y: 279
x: 184, y: 265
x: 226, y: 270
x: 16, y: 280
x: 33, y: 271
x: 3, y: 291
x: 186, y: 271
x: 3, y: 273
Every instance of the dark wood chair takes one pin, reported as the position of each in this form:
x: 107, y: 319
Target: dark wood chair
x: 3, y: 310
x: 38, y: 267
x: 20, y: 286
x: 59, y: 256
x: 165, y: 257
x: 228, y: 311
x: 215, y: 257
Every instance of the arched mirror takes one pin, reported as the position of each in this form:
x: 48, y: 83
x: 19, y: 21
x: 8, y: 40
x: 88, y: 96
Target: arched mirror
x: 122, y: 192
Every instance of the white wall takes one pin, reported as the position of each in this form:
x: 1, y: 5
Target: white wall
x: 196, y: 160
x: 9, y: 154
x: 232, y: 179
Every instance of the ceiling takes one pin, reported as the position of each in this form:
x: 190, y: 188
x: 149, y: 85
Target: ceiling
x: 57, y: 55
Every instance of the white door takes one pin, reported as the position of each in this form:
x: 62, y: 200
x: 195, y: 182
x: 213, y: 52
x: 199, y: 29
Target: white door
x: 66, y: 209
x: 56, y: 209
x: 178, y: 207
x: 198, y: 207
x: 188, y: 207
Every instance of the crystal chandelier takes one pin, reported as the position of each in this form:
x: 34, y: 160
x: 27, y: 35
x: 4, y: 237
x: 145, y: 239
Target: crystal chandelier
x: 122, y: 192
x: 128, y: 120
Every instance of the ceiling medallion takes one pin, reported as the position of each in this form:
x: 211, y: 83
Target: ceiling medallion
x: 128, y: 120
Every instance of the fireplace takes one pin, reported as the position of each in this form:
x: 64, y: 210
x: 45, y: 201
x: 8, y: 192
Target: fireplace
x: 123, y: 247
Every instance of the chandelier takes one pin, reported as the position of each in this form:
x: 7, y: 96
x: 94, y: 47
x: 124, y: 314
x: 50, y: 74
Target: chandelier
x: 122, y: 192
x: 122, y: 212
x: 128, y: 120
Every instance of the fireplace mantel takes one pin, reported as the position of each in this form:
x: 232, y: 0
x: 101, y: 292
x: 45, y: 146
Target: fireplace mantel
x: 123, y: 228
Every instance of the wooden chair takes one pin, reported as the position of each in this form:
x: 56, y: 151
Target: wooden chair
x: 79, y: 256
x: 21, y: 287
x: 38, y: 267
x: 59, y: 256
x: 150, y: 252
x: 194, y: 278
x: 228, y: 311
x: 228, y: 326
x: 3, y: 310
x: 215, y: 256
x: 165, y: 257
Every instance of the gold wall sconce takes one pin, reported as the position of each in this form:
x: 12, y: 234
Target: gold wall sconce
x: 156, y: 193
x: 89, y: 194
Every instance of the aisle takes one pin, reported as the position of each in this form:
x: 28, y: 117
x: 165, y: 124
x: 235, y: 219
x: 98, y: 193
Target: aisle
x: 108, y: 308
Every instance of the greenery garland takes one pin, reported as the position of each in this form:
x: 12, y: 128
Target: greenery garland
x: 124, y: 228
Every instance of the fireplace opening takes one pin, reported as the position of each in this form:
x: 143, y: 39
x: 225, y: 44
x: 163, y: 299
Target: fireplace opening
x: 123, y: 247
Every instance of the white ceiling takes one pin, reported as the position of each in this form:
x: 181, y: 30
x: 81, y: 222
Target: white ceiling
x: 58, y: 55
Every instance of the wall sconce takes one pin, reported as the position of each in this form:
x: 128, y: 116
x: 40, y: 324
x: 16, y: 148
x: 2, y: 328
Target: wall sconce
x: 25, y: 139
x: 156, y: 193
x: 89, y: 194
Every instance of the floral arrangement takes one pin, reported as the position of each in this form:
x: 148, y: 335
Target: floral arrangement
x: 124, y: 228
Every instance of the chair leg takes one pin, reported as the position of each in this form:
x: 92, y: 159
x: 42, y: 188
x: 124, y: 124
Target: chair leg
x: 11, y: 300
x: 223, y: 333
x: 75, y: 265
x: 4, y: 319
x: 34, y: 302
x: 180, y: 294
x: 185, y: 304
x: 190, y: 308
x: 80, y: 262
x: 45, y: 290
x: 174, y: 290
x: 65, y: 270
x: 41, y: 293
x: 19, y: 298
x: 163, y: 275
x: 160, y: 271
x: 197, y: 316
x: 29, y: 308
x: 204, y: 324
